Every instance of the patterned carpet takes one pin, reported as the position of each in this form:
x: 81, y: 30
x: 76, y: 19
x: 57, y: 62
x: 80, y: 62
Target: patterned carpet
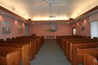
x: 50, y: 54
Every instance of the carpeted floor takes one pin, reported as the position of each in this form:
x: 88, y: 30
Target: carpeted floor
x: 50, y: 54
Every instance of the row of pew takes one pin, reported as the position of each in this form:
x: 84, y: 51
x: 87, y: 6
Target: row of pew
x: 19, y: 50
x: 79, y: 49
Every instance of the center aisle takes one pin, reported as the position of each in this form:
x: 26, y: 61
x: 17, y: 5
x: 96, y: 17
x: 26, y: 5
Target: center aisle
x: 50, y: 54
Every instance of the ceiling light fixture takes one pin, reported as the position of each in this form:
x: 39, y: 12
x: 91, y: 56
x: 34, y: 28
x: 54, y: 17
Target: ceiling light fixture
x: 50, y: 3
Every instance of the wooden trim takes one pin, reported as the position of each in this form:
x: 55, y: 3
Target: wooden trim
x: 6, y: 10
x: 51, y: 21
x: 95, y: 8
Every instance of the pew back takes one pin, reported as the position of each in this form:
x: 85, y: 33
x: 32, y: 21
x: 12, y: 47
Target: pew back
x: 24, y: 51
x: 78, y: 57
x: 9, y: 56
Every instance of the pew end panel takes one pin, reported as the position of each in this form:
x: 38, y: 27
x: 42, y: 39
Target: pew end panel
x: 89, y: 60
x: 9, y: 56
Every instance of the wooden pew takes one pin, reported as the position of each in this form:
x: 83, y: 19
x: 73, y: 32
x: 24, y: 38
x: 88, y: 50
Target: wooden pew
x: 90, y: 60
x: 30, y: 42
x: 66, y: 41
x: 9, y: 56
x: 38, y: 43
x: 81, y: 45
x: 78, y: 57
x: 59, y: 39
x: 24, y: 51
x: 72, y: 41
x: 1, y: 40
x: 34, y: 42
x: 81, y: 42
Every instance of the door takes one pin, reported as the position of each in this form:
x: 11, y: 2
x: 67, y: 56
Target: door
x: 26, y: 29
x: 74, y: 31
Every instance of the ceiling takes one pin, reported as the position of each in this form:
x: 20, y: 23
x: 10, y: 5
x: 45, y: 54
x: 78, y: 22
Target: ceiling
x: 49, y: 9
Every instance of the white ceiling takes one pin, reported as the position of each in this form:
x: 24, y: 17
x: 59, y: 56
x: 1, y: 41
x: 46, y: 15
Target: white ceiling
x: 45, y: 9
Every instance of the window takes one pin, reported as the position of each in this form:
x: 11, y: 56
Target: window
x: 94, y: 29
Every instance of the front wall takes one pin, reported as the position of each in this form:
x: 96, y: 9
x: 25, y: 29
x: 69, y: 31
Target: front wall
x: 40, y: 30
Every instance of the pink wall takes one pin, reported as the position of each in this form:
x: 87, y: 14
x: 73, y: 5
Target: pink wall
x: 79, y: 25
x: 14, y: 26
x: 65, y: 29
x: 39, y: 30
x: 86, y: 23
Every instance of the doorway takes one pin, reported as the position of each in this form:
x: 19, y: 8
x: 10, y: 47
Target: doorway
x: 74, y: 31
x: 26, y: 29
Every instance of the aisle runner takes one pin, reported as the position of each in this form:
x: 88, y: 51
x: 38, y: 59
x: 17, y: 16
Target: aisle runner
x: 50, y: 54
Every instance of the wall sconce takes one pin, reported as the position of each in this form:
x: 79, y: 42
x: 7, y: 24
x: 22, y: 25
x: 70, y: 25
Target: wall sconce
x: 23, y: 24
x: 85, y: 21
x: 77, y: 23
x: 1, y: 18
x: 16, y: 22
